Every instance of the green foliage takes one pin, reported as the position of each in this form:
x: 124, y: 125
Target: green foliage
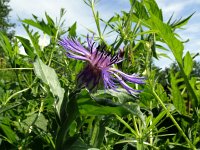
x: 49, y: 77
x: 188, y: 64
x: 177, y: 98
x: 5, y: 25
x: 42, y: 108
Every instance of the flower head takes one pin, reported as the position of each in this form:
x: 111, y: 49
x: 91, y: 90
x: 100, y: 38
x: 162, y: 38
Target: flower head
x: 99, y: 68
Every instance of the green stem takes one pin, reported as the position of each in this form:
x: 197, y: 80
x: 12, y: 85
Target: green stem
x: 13, y: 95
x: 135, y: 125
x: 55, y: 40
x: 96, y: 18
x: 127, y: 27
x: 5, y: 69
x: 151, y: 131
x: 173, y: 120
x: 21, y: 91
x: 139, y: 136
x: 189, y: 87
x: 126, y: 124
x: 30, y: 127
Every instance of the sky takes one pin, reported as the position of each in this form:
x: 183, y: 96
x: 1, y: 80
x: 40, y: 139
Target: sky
x: 77, y: 10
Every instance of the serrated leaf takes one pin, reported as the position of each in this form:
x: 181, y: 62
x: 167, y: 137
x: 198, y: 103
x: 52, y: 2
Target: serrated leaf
x: 49, y: 20
x: 122, y: 95
x: 10, y: 134
x: 156, y: 120
x: 182, y: 22
x: 177, y: 98
x: 9, y: 106
x: 141, y: 11
x: 76, y: 144
x: 27, y: 46
x: 39, y: 121
x: 115, y: 132
x: 49, y: 76
x: 5, y: 44
x: 89, y: 107
x: 48, y: 28
x: 164, y: 55
x: 34, y: 38
x: 188, y: 64
x: 72, y: 30
x: 153, y: 7
x: 165, y: 32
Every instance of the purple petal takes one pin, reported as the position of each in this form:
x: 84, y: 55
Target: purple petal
x: 108, y: 83
x: 127, y: 87
x: 90, y: 41
x: 132, y: 78
x: 74, y: 56
x: 74, y: 46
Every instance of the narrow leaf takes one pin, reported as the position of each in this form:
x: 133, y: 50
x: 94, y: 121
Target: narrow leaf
x: 188, y: 64
x: 165, y: 32
x: 27, y: 46
x: 177, y: 98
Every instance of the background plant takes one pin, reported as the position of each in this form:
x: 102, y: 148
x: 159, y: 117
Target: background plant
x: 41, y: 108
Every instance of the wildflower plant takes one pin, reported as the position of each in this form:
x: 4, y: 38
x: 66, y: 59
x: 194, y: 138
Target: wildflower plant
x: 42, y: 108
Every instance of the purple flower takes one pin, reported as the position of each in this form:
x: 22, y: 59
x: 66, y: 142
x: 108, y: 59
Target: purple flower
x: 99, y: 68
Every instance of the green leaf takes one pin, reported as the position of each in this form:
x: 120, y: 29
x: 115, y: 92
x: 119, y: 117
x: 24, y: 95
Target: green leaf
x: 34, y: 37
x: 164, y: 55
x: 165, y: 32
x: 48, y: 28
x: 180, y: 23
x: 68, y: 116
x: 161, y: 92
x: 32, y: 23
x: 49, y: 76
x: 89, y: 107
x: 6, y: 44
x: 177, y: 98
x: 72, y: 30
x: 73, y: 128
x: 153, y: 7
x: 27, y: 46
x: 115, y: 132
x: 49, y: 20
x: 10, y: 134
x: 188, y: 64
x: 196, y: 87
x: 152, y: 42
x: 98, y: 132
x: 76, y: 143
x: 156, y: 120
x: 9, y: 106
x: 122, y: 96
x: 140, y: 10
x: 38, y: 120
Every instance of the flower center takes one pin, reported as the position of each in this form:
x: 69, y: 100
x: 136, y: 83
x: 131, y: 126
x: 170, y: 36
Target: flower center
x: 101, y: 59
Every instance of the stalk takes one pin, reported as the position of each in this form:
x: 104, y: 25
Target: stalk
x: 173, y: 120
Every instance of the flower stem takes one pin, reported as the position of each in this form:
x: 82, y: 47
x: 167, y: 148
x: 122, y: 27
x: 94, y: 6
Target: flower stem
x: 13, y: 95
x: 173, y: 120
x: 126, y: 124
x: 96, y: 18
x: 6, y: 69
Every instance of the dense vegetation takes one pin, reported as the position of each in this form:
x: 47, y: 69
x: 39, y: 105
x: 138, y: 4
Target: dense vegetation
x: 41, y: 106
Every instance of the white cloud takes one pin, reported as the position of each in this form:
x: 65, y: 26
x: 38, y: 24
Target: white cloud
x: 80, y: 12
x: 76, y: 10
x: 175, y: 7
